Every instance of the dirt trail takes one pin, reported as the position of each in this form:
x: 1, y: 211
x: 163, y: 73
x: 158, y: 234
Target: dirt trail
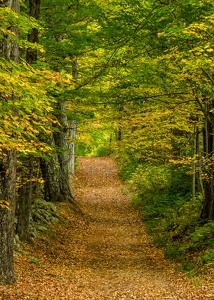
x: 105, y: 254
x: 123, y: 262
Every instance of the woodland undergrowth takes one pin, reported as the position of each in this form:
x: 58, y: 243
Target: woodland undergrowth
x: 162, y: 194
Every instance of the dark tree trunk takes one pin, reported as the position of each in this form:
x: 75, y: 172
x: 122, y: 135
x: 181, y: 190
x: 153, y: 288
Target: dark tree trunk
x: 7, y: 192
x: 33, y: 36
x: 25, y: 191
x: 25, y: 199
x: 8, y: 161
x: 119, y: 133
x: 208, y: 140
x: 55, y: 174
x: 51, y: 175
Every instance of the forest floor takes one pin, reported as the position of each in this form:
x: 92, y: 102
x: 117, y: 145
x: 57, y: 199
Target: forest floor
x: 104, y: 253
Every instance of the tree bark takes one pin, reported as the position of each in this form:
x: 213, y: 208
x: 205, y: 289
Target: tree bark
x: 25, y: 199
x: 119, y: 133
x: 33, y: 36
x: 7, y: 188
x: 72, y: 130
x: 60, y: 138
x: 72, y: 146
x: 208, y: 202
x: 199, y: 163
x: 194, y: 162
x: 51, y: 174
x: 55, y: 171
x: 25, y: 191
x: 8, y: 162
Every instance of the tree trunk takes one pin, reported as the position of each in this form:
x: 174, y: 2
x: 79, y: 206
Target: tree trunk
x: 8, y: 162
x: 55, y: 170
x: 25, y: 192
x: 7, y: 188
x: 194, y: 162
x: 199, y: 164
x: 71, y: 146
x: 25, y: 199
x: 72, y: 129
x: 51, y: 175
x: 119, y: 133
x: 60, y: 138
x: 33, y: 36
x: 208, y: 203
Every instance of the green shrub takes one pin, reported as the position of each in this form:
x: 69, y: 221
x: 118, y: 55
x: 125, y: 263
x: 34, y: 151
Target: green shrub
x: 208, y: 256
x: 171, y: 251
x: 160, y: 191
x: 82, y: 149
x: 101, y: 151
x: 160, y: 241
x: 163, y: 196
x: 203, y: 235
x: 187, y: 266
x: 128, y: 164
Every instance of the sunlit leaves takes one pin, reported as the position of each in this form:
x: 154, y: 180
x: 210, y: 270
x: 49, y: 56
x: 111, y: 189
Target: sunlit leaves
x: 4, y: 204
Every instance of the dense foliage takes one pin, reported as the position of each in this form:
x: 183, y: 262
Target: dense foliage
x: 137, y: 78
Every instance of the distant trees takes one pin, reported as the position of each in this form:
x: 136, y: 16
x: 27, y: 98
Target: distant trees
x: 164, y: 54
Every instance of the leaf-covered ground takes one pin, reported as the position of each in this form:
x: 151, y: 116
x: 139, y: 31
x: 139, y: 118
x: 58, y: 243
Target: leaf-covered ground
x: 103, y: 254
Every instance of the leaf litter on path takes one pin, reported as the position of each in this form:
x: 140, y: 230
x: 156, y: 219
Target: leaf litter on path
x: 103, y: 254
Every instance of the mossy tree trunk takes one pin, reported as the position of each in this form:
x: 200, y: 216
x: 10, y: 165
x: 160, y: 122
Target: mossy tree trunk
x: 61, y: 141
x: 55, y: 170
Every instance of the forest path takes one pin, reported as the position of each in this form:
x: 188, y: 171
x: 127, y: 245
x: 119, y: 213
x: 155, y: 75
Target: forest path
x: 104, y: 254
x: 119, y: 255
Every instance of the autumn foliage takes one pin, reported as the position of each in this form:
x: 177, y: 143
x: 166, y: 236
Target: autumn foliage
x: 131, y: 78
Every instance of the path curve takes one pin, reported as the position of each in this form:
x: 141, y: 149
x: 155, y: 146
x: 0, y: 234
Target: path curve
x: 123, y: 262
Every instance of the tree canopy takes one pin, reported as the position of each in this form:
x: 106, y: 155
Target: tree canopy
x: 135, y: 75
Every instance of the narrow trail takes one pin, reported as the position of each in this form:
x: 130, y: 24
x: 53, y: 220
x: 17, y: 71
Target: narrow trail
x: 104, y: 254
x: 123, y: 261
